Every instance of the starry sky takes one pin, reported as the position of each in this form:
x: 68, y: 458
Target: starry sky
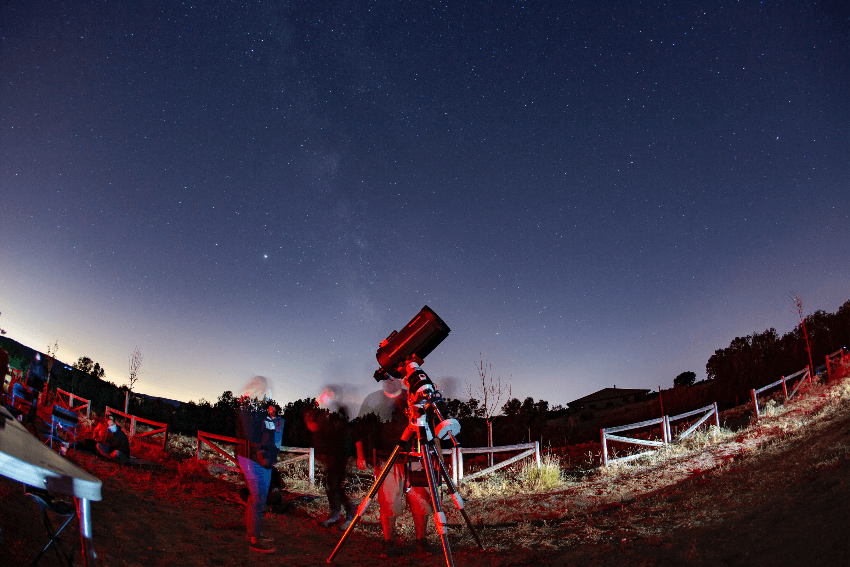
x: 589, y: 193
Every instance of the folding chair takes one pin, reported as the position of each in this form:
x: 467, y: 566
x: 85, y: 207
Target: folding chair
x: 23, y: 397
x: 64, y: 512
x: 65, y: 421
x: 24, y: 404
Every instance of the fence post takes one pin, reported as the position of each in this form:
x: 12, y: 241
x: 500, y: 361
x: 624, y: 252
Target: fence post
x: 604, y: 448
x: 716, y: 416
x: 454, y: 465
x: 784, y: 388
x: 537, y: 452
x: 755, y: 402
x: 311, y: 459
x: 459, y: 464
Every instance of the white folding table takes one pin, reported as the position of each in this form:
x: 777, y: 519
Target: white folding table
x: 26, y: 459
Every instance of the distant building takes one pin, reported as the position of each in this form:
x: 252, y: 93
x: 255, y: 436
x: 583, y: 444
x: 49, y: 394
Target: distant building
x: 608, y: 398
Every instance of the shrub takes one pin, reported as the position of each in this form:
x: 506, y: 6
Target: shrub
x: 192, y: 470
x: 147, y: 451
x: 547, y: 477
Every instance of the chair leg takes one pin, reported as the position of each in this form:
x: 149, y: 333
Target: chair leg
x: 54, y: 541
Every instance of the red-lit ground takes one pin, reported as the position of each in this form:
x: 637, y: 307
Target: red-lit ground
x: 779, y: 499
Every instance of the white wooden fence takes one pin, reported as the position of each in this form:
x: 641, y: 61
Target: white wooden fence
x: 528, y: 449
x: 666, y: 435
x: 135, y: 420
x: 606, y: 436
x: 86, y: 405
x: 709, y: 411
x: 205, y: 440
x: 834, y: 360
x: 307, y: 454
x: 456, y: 454
x: 802, y: 374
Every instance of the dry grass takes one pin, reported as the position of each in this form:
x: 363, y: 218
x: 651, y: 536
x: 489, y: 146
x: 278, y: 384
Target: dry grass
x: 553, y: 493
x: 521, y: 478
x: 558, y: 492
x: 708, y: 450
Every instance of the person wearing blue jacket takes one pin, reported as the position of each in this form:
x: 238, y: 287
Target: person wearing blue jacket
x: 263, y: 433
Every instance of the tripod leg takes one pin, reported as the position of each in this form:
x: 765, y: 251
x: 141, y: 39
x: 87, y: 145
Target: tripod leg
x: 372, y: 491
x: 439, y: 516
x: 458, y: 501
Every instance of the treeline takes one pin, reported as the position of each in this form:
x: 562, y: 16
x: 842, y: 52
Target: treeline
x: 748, y: 362
x: 761, y: 358
x: 88, y: 385
x: 519, y: 420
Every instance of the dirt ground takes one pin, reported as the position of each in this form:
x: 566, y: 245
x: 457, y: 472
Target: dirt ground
x: 766, y: 498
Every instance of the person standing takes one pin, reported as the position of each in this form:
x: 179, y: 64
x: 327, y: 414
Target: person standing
x: 390, y: 406
x: 332, y: 442
x: 4, y: 367
x: 263, y: 433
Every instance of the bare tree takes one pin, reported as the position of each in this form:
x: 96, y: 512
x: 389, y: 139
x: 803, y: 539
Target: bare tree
x: 135, y: 365
x: 797, y: 300
x: 51, y: 358
x: 490, y: 393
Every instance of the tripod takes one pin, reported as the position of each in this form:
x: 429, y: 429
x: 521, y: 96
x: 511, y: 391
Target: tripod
x: 426, y: 451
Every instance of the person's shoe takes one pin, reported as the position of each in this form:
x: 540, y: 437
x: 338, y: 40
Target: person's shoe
x: 347, y: 522
x: 261, y: 546
x: 330, y: 521
x: 422, y: 546
x: 390, y: 548
x: 263, y: 539
x: 281, y: 507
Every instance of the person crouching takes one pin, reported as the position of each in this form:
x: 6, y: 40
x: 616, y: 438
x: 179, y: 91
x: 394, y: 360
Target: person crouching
x: 116, y: 445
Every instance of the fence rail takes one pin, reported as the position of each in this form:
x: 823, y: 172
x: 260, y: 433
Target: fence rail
x: 803, y: 374
x: 71, y: 398
x: 836, y: 359
x: 309, y: 454
x: 134, y: 420
x: 15, y: 374
x: 666, y: 432
x: 204, y: 438
x: 709, y: 410
x: 528, y: 449
x: 456, y: 456
x: 606, y: 436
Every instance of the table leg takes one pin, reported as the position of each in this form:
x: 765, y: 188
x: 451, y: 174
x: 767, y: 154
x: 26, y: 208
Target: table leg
x: 84, y: 516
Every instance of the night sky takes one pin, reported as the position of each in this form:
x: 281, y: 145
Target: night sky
x: 589, y: 193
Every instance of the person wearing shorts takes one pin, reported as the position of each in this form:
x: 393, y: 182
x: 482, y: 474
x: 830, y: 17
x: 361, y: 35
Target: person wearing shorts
x: 390, y: 406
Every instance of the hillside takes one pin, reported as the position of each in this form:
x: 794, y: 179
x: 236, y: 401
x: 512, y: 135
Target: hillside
x: 775, y: 493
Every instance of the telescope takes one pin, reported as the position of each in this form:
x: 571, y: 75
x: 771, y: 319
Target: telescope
x: 399, y: 356
x: 415, y: 341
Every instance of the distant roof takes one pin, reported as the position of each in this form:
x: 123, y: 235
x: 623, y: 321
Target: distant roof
x: 175, y: 403
x: 607, y: 394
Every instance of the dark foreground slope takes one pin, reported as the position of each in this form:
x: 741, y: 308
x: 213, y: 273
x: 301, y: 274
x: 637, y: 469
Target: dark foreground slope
x: 785, y: 502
